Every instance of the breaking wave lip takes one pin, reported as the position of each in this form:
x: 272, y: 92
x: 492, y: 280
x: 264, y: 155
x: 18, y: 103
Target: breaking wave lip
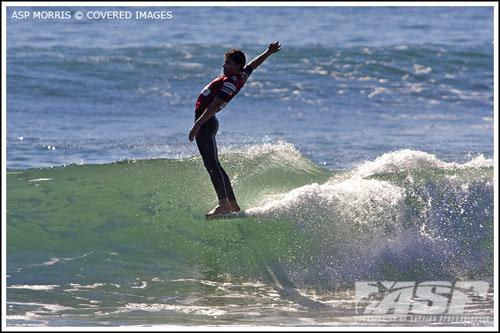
x: 364, y: 224
x: 410, y: 160
x: 327, y: 198
x: 352, y: 187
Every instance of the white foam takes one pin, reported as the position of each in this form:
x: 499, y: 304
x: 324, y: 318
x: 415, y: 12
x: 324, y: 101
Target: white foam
x: 187, y: 309
x: 478, y: 162
x: 143, y: 285
x: 281, y: 147
x: 184, y: 280
x: 280, y: 154
x: 90, y: 286
x: 351, y: 198
x: 466, y: 95
x: 318, y: 71
x: 52, y: 261
x: 420, y: 69
x: 415, y: 87
x: 377, y: 91
x: 50, y: 307
x: 411, y: 160
x: 361, y: 220
x: 192, y: 65
x: 34, y: 287
x: 355, y: 200
x: 40, y: 180
x: 55, y: 260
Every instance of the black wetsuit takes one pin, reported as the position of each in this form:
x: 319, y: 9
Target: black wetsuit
x: 208, y: 150
x: 225, y: 88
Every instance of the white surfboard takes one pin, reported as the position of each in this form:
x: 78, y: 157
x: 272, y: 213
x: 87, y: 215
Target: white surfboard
x: 241, y: 213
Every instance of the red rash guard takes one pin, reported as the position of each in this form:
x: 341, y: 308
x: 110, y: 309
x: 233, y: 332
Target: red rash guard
x: 223, y: 87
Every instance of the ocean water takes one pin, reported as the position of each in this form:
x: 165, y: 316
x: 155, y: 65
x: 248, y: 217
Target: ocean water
x: 363, y: 151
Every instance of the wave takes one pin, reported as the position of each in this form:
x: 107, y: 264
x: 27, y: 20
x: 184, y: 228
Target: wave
x: 404, y: 215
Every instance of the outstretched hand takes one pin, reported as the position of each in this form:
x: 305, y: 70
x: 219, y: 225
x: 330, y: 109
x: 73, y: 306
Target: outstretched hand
x: 274, y: 47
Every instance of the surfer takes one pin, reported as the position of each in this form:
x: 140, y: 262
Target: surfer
x: 213, y: 98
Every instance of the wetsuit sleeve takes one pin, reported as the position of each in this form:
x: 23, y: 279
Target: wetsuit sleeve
x: 248, y: 70
x: 228, y: 90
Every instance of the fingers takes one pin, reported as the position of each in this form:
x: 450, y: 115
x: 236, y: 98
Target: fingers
x: 193, y: 133
x: 275, y: 46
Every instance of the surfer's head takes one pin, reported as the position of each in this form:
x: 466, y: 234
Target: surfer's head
x: 234, y: 61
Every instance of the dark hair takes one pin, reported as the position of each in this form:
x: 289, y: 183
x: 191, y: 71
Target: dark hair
x: 237, y: 56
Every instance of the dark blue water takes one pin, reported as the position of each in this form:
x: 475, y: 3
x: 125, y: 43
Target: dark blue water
x: 350, y: 83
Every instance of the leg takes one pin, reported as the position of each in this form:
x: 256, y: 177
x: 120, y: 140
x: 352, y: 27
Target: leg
x: 228, y: 188
x: 208, y: 150
x: 233, y: 205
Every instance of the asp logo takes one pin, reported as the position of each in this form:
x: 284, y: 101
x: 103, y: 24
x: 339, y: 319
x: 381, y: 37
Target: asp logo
x: 424, y: 298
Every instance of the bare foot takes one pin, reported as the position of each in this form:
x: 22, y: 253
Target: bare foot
x: 219, y: 209
x: 234, y: 206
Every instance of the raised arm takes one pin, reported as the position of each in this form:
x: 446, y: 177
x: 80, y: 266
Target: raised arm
x: 272, y: 48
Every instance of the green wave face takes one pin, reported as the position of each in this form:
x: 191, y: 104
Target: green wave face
x: 148, y: 216
x: 122, y: 222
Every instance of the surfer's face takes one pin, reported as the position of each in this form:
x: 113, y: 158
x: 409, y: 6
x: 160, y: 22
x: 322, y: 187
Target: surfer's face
x: 230, y: 67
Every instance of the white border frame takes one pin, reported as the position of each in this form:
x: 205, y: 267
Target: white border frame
x: 7, y: 4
